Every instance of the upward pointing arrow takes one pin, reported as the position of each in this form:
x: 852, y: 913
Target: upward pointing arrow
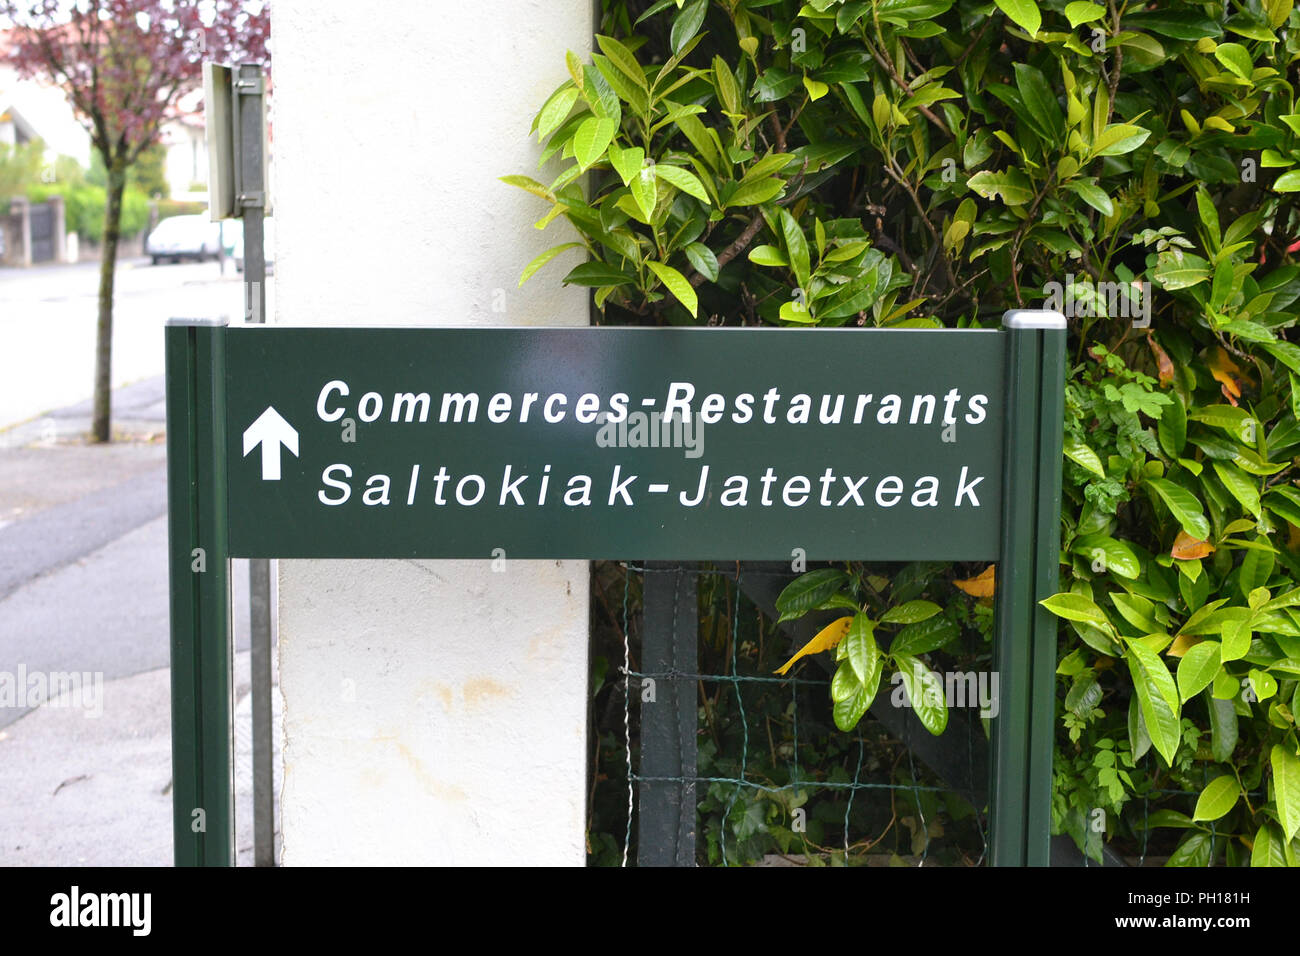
x: 270, y: 431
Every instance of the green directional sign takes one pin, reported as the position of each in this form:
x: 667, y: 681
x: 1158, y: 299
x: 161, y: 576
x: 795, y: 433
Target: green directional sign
x: 660, y: 444
x: 602, y: 443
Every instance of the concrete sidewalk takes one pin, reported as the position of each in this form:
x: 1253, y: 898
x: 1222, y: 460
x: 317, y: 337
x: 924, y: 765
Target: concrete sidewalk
x: 83, y: 589
x: 82, y: 790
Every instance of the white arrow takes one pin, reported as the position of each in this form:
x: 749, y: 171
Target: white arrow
x: 270, y: 431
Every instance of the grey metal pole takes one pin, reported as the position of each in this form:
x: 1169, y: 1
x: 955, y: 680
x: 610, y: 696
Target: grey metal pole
x: 669, y: 648
x: 251, y: 199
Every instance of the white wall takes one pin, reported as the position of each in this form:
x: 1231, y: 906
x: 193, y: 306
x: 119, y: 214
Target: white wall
x: 435, y: 712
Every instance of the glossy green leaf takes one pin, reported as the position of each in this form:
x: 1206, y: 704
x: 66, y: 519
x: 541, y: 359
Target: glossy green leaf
x: 1236, y: 640
x: 627, y: 162
x: 703, y: 260
x: 1178, y: 24
x: 1268, y: 848
x: 1084, y: 695
x: 687, y: 182
x: 1137, y: 610
x: 848, y: 711
x: 1081, y: 454
x: 1139, y: 739
x: 796, y: 247
x: 677, y: 285
x: 546, y: 257
x: 1286, y: 788
x: 807, y: 591
x: 624, y: 59
x: 1171, y: 429
x: 644, y: 191
x: 922, y: 637
x: 725, y: 83
x: 1024, y: 13
x: 1119, y: 138
x: 1236, y: 58
x: 1239, y: 485
x: 530, y: 185
x: 1010, y: 184
x: 1223, y: 726
x: 1039, y: 99
x: 1194, y: 851
x: 1076, y: 607
x: 1219, y: 796
x: 1179, y: 270
x: 911, y: 612
x: 1110, y: 554
x: 925, y: 692
x: 1094, y: 196
x: 860, y: 646
x: 1197, y: 668
x: 756, y: 193
x: 555, y: 110
x: 687, y: 23
x: 1081, y: 11
x: 1158, y: 698
x: 845, y: 683
x: 768, y: 256
x: 590, y: 140
x: 1288, y: 182
x: 1183, y: 506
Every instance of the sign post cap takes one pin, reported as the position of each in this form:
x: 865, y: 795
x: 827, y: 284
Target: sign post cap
x: 1032, y: 319
x: 210, y: 320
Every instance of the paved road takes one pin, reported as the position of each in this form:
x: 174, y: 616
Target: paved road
x: 83, y: 545
x: 47, y: 326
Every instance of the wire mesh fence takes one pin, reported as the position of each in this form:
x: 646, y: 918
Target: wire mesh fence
x: 775, y: 783
x: 761, y: 775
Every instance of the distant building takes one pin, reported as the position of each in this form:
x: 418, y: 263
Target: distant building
x: 30, y: 109
x: 185, y: 139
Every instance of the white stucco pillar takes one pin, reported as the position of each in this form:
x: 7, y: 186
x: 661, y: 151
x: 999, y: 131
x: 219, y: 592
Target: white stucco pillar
x: 435, y: 711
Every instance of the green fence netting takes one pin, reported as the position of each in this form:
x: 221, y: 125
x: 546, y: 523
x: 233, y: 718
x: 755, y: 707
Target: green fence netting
x: 777, y: 784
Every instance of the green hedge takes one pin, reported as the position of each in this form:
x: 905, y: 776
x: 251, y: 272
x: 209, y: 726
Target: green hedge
x: 932, y: 163
x: 84, y: 208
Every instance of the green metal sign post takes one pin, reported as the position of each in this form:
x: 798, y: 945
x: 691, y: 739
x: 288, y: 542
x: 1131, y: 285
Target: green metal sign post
x: 657, y: 444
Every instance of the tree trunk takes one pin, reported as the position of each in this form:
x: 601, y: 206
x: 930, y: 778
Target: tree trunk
x: 100, y: 425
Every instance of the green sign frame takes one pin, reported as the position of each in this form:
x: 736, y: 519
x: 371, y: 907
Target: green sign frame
x: 590, y: 443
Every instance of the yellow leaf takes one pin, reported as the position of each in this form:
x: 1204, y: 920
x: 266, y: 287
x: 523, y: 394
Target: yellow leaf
x: 1182, y: 644
x: 1226, y: 372
x: 1164, y: 364
x: 1187, y: 548
x: 980, y: 586
x: 826, y: 638
x: 816, y: 89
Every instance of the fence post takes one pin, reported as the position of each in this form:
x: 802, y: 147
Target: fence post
x: 202, y: 751
x: 666, y: 827
x: 1024, y: 633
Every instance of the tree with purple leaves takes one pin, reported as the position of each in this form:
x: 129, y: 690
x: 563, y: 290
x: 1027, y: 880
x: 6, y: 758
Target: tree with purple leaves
x: 124, y: 65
